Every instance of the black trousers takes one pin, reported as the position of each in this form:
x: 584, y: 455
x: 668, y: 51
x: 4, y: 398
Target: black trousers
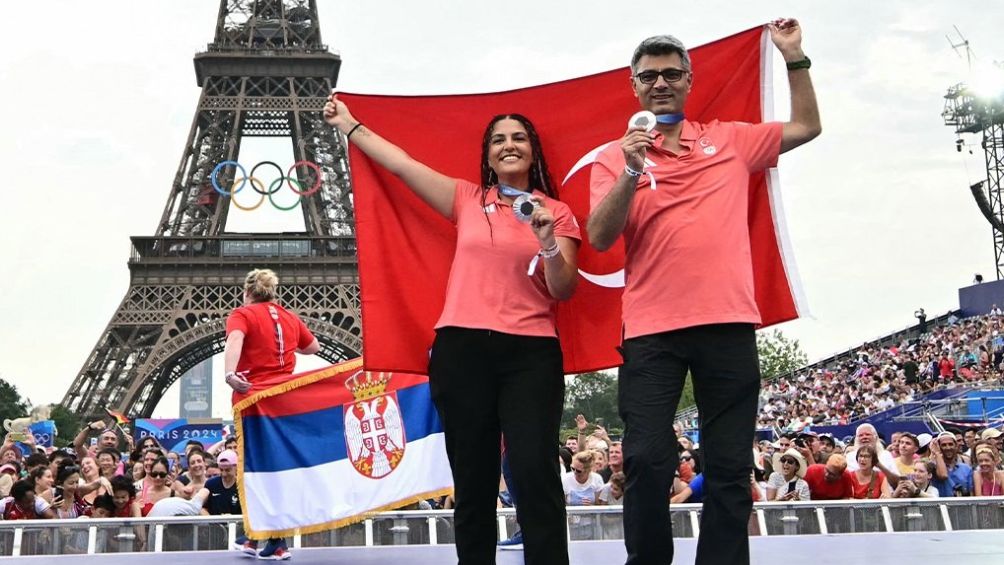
x: 722, y: 360
x: 485, y: 384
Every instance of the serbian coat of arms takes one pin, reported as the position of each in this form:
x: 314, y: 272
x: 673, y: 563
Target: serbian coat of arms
x: 374, y: 428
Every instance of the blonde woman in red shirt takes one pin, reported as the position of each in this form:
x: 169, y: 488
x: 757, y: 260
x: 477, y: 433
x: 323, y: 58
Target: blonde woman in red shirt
x: 262, y: 341
x: 263, y: 337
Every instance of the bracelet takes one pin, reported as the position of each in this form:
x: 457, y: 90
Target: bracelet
x: 351, y: 131
x: 551, y: 252
x: 800, y: 64
x: 631, y: 172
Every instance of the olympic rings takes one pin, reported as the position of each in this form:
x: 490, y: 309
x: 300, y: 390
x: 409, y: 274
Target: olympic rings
x: 216, y: 171
x: 317, y: 175
x: 278, y: 182
x: 277, y: 168
x: 292, y: 178
x: 261, y: 198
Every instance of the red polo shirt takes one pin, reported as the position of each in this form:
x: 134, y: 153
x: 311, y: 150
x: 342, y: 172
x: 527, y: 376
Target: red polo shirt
x: 821, y: 489
x: 488, y: 286
x: 267, y: 365
x: 688, y: 260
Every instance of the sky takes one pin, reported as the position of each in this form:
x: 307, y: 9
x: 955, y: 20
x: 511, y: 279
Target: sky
x: 98, y: 100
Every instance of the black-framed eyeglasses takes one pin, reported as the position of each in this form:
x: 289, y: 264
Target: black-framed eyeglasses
x: 671, y: 75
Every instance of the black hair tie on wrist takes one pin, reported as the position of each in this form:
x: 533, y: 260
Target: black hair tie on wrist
x: 353, y: 130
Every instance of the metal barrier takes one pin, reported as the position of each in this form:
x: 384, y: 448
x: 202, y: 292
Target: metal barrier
x: 418, y: 527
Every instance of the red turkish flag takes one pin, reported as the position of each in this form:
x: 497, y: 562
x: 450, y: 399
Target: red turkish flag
x: 405, y: 248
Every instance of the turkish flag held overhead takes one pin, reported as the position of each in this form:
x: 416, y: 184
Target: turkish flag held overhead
x: 405, y: 248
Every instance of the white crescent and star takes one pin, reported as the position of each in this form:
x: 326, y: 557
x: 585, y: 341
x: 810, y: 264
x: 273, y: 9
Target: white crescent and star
x: 611, y: 280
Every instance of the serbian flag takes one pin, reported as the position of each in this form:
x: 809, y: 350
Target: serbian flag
x: 331, y: 446
x: 405, y: 248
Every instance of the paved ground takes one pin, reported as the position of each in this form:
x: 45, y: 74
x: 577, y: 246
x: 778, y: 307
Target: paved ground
x: 984, y: 547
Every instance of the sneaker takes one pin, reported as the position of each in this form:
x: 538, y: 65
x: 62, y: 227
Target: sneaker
x: 514, y: 543
x: 246, y: 546
x: 275, y: 550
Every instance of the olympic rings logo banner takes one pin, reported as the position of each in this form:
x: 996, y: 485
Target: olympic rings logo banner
x: 228, y: 169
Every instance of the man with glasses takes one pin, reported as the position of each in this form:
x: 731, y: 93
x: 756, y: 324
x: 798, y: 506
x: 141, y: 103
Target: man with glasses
x: 679, y: 195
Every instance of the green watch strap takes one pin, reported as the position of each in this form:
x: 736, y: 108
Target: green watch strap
x: 800, y: 64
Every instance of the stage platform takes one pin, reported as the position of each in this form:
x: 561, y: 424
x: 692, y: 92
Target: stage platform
x: 958, y: 548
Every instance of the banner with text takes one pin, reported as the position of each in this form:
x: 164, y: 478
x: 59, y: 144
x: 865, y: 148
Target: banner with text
x: 174, y: 433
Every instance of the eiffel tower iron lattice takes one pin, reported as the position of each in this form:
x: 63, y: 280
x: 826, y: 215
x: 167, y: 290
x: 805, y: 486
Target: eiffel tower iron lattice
x: 266, y: 74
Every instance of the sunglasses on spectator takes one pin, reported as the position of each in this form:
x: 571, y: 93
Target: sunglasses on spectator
x: 789, y: 461
x: 685, y: 458
x: 158, y: 474
x: 579, y: 470
x: 671, y: 75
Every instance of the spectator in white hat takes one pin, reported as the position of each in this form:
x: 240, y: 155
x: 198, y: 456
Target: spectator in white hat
x: 952, y: 476
x: 924, y: 445
x: 994, y: 436
x: 787, y: 482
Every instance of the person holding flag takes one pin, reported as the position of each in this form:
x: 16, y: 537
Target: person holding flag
x: 262, y: 339
x: 496, y: 364
x: 107, y: 436
x: 679, y: 194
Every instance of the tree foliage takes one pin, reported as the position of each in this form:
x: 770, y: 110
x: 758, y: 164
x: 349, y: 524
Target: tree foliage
x: 67, y: 424
x: 687, y: 396
x: 779, y: 355
x: 595, y: 396
x: 12, y: 405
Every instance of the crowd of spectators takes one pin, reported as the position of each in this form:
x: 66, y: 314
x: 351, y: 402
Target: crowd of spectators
x: 806, y: 466
x: 98, y: 481
x: 874, y: 378
x: 801, y: 465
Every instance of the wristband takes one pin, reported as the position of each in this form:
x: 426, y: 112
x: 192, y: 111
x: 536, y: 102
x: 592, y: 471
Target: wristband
x: 804, y: 63
x: 353, y: 130
x: 551, y: 252
x: 635, y: 174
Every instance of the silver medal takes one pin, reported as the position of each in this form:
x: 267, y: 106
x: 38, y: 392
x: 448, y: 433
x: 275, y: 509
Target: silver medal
x: 643, y: 119
x: 523, y: 207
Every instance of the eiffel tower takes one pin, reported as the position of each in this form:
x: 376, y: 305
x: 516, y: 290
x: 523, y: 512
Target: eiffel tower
x: 266, y: 74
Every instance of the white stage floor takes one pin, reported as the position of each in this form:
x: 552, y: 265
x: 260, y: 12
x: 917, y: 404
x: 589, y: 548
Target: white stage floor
x: 979, y: 547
